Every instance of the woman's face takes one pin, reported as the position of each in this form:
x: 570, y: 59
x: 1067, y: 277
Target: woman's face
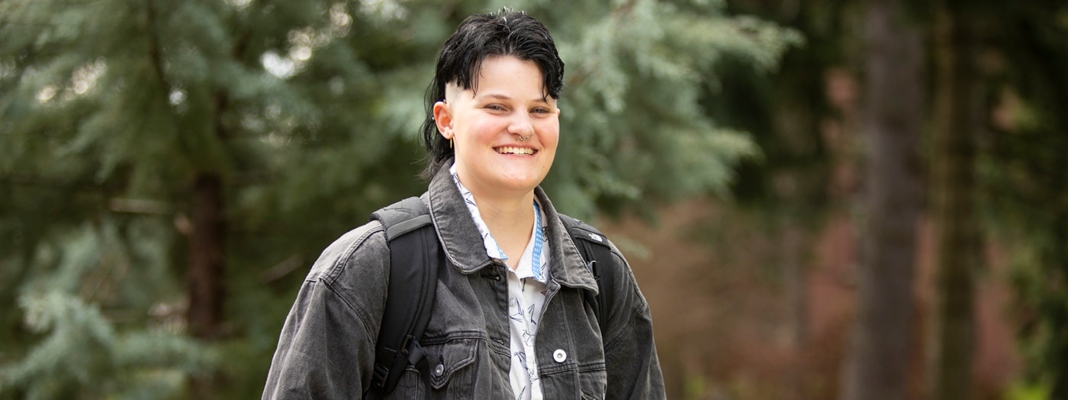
x: 489, y: 122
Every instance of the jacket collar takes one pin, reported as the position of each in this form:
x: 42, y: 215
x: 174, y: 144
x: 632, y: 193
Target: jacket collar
x: 463, y: 244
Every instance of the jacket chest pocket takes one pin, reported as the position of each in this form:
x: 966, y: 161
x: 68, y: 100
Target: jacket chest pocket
x: 593, y: 382
x: 452, y: 367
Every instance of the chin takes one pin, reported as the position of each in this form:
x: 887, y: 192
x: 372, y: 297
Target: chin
x: 521, y: 184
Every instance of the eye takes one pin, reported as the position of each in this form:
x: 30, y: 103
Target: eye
x: 495, y: 107
x: 542, y: 110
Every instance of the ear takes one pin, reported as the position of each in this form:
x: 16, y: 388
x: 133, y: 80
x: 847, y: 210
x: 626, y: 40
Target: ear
x: 443, y: 119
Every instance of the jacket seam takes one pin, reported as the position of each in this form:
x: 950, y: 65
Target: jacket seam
x: 344, y: 259
x: 340, y: 265
x: 621, y: 275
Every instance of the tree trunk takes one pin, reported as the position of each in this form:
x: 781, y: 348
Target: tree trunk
x: 882, y: 344
x: 206, y: 263
x: 953, y: 187
x: 206, y: 258
x: 1057, y: 265
x: 797, y: 296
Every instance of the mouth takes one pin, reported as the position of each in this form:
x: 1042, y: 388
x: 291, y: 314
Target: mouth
x: 523, y: 151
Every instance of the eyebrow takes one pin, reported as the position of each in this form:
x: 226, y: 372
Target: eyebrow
x: 544, y: 99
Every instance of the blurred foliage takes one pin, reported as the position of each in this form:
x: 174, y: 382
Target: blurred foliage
x: 787, y: 114
x: 1021, y: 165
x: 1024, y: 172
x: 95, y: 321
x: 1021, y: 391
x: 309, y: 113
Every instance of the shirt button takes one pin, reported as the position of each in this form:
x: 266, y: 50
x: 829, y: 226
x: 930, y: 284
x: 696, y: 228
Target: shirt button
x: 440, y: 369
x: 559, y: 355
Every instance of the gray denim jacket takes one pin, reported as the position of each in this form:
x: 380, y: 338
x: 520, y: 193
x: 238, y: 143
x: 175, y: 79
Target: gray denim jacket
x: 326, y: 349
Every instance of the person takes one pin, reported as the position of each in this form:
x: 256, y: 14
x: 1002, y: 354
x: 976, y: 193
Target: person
x: 492, y: 131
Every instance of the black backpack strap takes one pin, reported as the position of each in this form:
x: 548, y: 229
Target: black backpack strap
x: 598, y: 256
x: 414, y: 256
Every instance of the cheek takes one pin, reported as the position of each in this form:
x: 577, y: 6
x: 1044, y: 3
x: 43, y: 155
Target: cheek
x: 549, y: 133
x: 484, y: 129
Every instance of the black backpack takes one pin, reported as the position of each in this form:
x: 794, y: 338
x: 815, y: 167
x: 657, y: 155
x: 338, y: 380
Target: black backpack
x: 415, y: 259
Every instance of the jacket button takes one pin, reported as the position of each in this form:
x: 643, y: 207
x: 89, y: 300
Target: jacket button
x: 559, y: 355
x: 440, y: 369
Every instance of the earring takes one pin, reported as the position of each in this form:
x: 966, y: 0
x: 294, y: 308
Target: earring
x: 450, y: 143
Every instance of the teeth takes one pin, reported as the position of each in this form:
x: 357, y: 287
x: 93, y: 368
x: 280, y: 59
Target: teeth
x: 515, y: 150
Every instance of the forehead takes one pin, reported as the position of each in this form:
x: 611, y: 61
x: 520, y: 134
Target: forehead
x: 503, y: 76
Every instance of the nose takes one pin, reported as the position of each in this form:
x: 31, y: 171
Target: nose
x: 522, y: 124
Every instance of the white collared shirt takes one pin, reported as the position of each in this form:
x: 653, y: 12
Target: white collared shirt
x: 526, y: 295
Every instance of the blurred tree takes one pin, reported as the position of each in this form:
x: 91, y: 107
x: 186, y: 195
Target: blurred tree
x: 803, y: 118
x: 183, y: 112
x: 1019, y: 69
x: 1022, y: 179
x: 655, y: 57
x: 1013, y: 56
x: 878, y: 357
x: 168, y: 168
x: 952, y: 162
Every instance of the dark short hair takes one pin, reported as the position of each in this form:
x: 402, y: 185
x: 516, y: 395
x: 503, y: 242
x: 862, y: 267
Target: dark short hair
x: 501, y: 33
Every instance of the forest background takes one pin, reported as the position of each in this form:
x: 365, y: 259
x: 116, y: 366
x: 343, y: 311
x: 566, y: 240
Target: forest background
x: 820, y: 199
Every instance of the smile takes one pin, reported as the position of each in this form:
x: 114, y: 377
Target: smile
x: 515, y: 150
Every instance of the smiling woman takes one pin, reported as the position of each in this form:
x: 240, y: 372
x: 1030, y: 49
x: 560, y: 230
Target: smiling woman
x: 492, y: 129
x: 505, y: 134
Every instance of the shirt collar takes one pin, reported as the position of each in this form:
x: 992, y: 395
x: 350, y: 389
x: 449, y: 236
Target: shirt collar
x: 464, y: 248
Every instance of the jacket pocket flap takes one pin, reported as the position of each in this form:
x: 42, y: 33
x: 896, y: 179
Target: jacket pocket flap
x: 448, y: 358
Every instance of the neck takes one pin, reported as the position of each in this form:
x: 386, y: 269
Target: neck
x: 510, y: 220
x: 505, y: 215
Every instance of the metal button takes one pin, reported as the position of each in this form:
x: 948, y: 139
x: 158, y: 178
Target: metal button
x: 559, y: 355
x: 440, y: 369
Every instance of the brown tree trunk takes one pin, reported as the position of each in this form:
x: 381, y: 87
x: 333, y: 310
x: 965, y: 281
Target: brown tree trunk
x: 877, y: 362
x: 206, y: 258
x: 797, y: 295
x: 954, y: 220
x: 206, y: 264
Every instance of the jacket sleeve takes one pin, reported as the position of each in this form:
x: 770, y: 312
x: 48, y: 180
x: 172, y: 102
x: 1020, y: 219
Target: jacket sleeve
x: 630, y: 353
x: 326, y: 348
